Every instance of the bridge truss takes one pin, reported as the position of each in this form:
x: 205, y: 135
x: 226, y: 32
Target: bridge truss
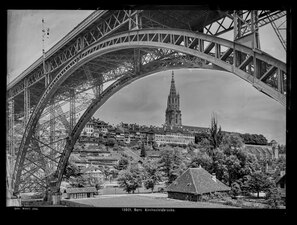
x: 120, y: 46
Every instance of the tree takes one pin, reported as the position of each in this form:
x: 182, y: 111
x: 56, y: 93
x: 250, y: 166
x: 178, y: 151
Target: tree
x: 78, y: 181
x: 151, y: 175
x: 111, y: 142
x: 130, y: 179
x: 281, y: 149
x: 122, y: 164
x: 71, y: 170
x: 235, y: 189
x: 216, y: 134
x: 256, y: 139
x: 169, y: 164
x: 155, y: 146
x: 232, y: 141
x: 258, y: 182
x: 143, y: 151
x: 273, y: 197
x: 200, y: 136
x: 219, y: 166
x: 106, y: 172
x: 201, y: 159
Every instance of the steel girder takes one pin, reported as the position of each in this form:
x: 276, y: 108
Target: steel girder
x: 110, y: 22
x: 98, y: 31
x: 236, y: 58
x: 226, y: 23
x: 254, y: 67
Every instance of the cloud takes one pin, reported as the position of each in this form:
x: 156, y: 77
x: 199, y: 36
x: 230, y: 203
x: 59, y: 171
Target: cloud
x: 239, y: 106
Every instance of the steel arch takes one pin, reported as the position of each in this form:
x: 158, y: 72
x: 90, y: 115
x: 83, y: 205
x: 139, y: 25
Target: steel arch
x: 179, y: 40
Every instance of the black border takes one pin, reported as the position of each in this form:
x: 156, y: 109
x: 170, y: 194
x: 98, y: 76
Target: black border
x: 189, y: 215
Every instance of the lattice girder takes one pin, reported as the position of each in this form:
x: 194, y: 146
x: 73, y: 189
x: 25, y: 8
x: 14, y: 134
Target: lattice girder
x: 186, y: 42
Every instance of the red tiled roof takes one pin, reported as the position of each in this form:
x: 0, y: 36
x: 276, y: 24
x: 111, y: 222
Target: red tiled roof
x: 196, y: 181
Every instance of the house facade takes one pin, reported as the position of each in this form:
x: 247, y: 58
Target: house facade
x: 85, y: 192
x: 174, y: 138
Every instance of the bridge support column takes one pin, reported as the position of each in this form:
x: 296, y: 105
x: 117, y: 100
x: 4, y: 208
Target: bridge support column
x: 52, y: 131
x: 72, y: 110
x: 56, y: 198
x: 10, y: 150
x: 280, y: 81
x: 237, y: 24
x: 11, y: 127
x: 26, y: 103
x: 135, y: 21
x: 255, y: 29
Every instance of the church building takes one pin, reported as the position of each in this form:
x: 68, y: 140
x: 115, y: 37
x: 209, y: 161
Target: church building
x: 173, y: 113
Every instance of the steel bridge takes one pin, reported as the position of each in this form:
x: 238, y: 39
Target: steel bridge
x: 52, y: 100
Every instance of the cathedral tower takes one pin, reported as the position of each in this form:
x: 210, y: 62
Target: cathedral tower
x: 173, y: 113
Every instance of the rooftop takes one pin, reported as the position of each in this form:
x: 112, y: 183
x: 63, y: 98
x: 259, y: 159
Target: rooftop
x: 81, y: 190
x: 197, y: 181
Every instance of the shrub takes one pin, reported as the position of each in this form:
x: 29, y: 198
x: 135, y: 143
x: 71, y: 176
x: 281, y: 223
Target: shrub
x: 235, y: 189
x: 273, y: 197
x: 204, y: 197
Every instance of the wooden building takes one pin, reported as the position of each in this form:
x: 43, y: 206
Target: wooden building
x: 193, y: 184
x: 85, y: 192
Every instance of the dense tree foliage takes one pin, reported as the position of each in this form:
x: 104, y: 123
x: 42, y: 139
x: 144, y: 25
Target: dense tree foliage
x: 255, y: 139
x: 273, y: 197
x: 281, y: 149
x: 231, y: 164
x: 230, y: 141
x: 170, y: 164
x: 122, y: 164
x: 216, y: 134
x: 143, y: 151
x: 200, y: 136
x: 201, y: 159
x: 130, y: 179
x: 151, y: 175
x: 71, y: 170
x: 258, y: 182
x: 111, y: 142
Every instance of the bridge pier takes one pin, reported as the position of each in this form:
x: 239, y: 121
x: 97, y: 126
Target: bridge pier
x: 13, y: 201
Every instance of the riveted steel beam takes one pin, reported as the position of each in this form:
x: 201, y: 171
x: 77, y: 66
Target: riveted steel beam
x: 226, y: 23
x: 72, y: 112
x: 144, y: 39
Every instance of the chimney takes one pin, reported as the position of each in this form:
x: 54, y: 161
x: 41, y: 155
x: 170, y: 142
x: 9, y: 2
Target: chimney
x: 213, y: 177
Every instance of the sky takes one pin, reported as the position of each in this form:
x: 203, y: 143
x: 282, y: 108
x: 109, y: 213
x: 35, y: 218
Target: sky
x: 239, y: 107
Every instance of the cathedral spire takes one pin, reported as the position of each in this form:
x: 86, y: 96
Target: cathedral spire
x: 172, y: 87
x: 173, y: 113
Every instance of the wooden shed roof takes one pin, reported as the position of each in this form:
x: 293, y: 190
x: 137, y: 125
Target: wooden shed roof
x: 197, y: 181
